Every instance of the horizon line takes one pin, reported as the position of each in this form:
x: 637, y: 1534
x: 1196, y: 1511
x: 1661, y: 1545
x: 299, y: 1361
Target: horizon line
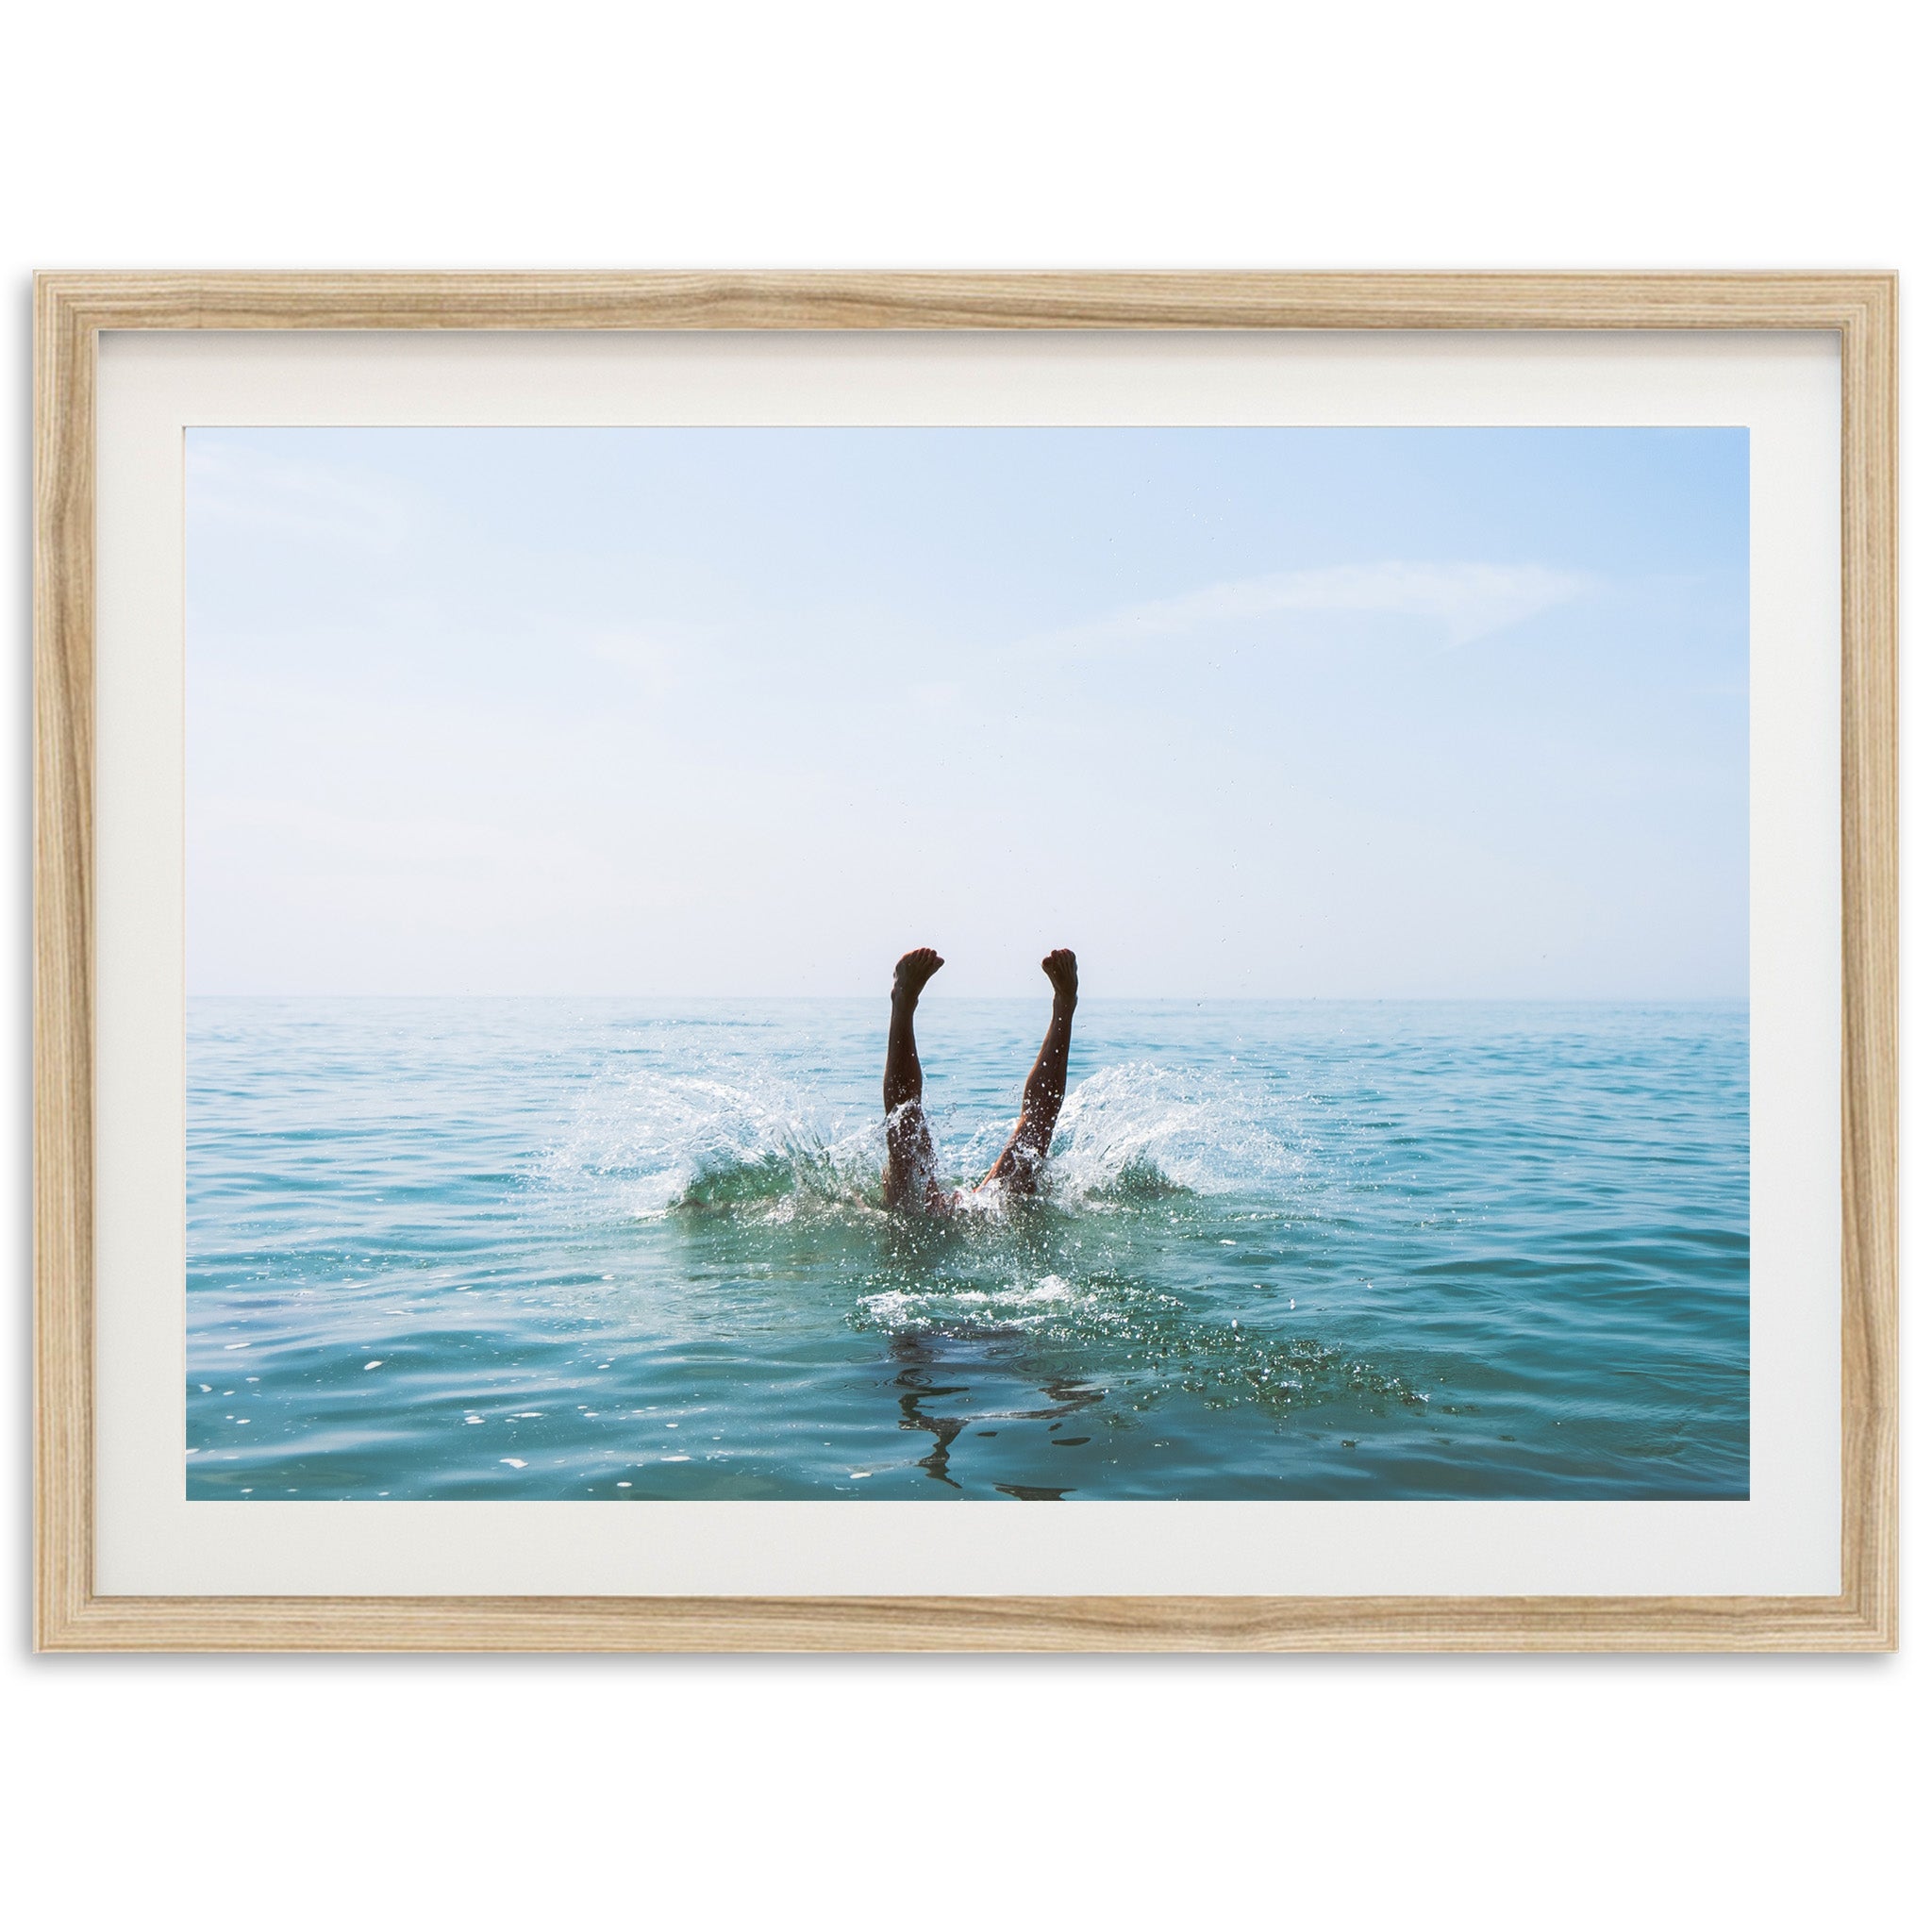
x: 1086, y: 999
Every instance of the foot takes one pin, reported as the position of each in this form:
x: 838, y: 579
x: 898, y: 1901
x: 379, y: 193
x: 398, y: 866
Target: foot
x: 914, y: 970
x: 1060, y: 968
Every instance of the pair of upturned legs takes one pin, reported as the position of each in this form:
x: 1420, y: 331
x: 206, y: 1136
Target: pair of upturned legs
x: 910, y: 1179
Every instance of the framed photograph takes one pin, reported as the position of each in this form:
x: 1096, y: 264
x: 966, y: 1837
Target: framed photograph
x: 699, y: 936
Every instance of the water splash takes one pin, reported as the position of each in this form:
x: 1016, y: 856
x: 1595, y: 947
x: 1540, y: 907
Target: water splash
x: 757, y: 1145
x: 659, y: 1144
x: 1138, y: 1132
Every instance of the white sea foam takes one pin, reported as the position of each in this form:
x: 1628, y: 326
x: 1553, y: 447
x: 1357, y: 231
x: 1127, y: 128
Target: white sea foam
x: 1020, y: 1305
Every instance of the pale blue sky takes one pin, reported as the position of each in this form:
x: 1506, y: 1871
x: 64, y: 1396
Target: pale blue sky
x: 1345, y: 712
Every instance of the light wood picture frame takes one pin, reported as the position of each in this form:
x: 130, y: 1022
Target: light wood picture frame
x: 72, y: 310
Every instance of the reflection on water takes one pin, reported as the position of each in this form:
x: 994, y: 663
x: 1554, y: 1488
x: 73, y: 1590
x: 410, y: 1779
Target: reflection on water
x: 921, y: 1357
x: 917, y: 1386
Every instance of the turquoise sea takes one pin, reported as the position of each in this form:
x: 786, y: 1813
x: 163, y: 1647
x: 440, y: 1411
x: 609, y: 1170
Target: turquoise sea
x: 633, y: 1249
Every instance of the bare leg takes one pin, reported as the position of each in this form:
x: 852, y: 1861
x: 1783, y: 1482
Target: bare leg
x: 1023, y: 1157
x: 909, y: 1179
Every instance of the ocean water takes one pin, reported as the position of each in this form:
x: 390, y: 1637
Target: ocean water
x: 630, y: 1250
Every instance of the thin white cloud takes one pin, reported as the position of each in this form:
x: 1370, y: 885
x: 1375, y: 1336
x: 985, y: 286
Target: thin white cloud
x: 1463, y: 600
x: 319, y: 503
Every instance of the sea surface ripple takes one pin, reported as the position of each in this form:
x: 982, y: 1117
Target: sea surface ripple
x: 636, y: 1250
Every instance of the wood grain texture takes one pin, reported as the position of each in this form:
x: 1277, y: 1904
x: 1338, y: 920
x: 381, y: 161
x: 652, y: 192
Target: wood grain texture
x: 1869, y: 838
x: 968, y: 1624
x: 63, y: 963
x: 71, y: 309
x: 708, y: 301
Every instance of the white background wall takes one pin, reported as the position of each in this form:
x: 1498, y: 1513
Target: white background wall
x: 1340, y: 1793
